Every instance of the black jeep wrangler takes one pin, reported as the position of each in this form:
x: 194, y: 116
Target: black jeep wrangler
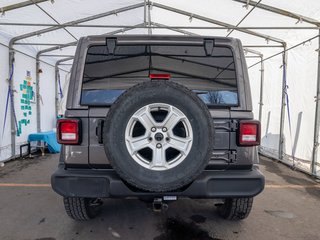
x: 158, y: 118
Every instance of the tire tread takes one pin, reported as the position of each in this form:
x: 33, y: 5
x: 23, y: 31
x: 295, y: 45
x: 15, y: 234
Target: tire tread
x: 236, y: 208
x: 77, y: 208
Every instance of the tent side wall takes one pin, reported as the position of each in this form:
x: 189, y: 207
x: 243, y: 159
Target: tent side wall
x: 47, y: 93
x: 62, y: 99
x: 24, y: 97
x: 5, y: 135
x: 299, y: 121
x: 24, y: 81
x: 300, y: 109
x: 270, y: 122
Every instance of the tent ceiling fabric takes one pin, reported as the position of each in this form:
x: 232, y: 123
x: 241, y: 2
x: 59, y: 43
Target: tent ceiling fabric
x: 59, y: 10
x: 229, y: 12
x: 305, y: 8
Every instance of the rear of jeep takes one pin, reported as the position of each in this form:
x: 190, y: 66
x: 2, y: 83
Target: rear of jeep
x: 160, y: 118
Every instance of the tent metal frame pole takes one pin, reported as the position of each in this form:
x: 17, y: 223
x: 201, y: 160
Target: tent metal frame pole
x: 29, y: 56
x: 155, y: 25
x: 56, y: 47
x: 231, y: 27
x: 75, y: 22
x: 55, y: 20
x: 149, y: 3
x: 56, y: 97
x: 280, y: 12
x: 221, y: 27
x: 263, y: 46
x: 38, y: 115
x: 316, y: 121
x: 259, y: 55
x: 37, y: 44
x: 38, y: 112
x: 71, y: 44
x: 174, y: 29
x: 57, y: 75
x: 194, y: 34
x: 149, y: 19
x: 12, y: 113
x: 244, y: 18
x: 286, y: 50
x: 145, y: 12
x: 252, y: 51
x: 40, y: 53
x: 216, y: 22
x: 55, y: 55
x: 261, y: 88
x: 246, y: 2
x: 8, y: 8
x: 283, y: 101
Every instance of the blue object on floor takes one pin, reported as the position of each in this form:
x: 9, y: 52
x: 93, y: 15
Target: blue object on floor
x: 48, y: 137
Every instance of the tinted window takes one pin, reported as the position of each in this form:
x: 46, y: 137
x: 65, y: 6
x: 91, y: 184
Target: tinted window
x: 107, y: 75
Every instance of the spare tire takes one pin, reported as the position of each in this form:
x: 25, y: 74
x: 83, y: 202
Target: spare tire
x: 158, y: 136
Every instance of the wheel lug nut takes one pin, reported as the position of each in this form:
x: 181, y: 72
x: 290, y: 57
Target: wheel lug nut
x: 164, y: 129
x: 153, y: 129
x: 159, y: 145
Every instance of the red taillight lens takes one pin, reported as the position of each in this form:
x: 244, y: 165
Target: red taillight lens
x: 249, y: 133
x: 160, y: 76
x: 68, y: 131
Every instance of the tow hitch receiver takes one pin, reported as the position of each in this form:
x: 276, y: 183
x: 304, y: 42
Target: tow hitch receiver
x: 158, y: 205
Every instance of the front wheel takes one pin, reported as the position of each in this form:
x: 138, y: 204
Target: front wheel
x: 82, y: 209
x: 235, y: 208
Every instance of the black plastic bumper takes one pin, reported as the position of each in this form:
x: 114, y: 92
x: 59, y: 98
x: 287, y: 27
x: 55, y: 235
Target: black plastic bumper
x: 107, y: 184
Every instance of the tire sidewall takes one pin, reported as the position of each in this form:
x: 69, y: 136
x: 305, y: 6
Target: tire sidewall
x: 168, y: 93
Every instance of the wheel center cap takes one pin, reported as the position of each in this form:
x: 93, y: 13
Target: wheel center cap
x: 158, y: 136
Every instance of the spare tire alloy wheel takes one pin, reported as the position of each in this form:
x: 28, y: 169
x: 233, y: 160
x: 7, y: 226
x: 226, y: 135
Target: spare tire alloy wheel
x: 160, y: 145
x: 158, y: 136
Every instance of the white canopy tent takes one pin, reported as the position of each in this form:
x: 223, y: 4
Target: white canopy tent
x: 280, y: 38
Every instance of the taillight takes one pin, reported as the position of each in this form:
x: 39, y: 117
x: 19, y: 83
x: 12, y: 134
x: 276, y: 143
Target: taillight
x: 249, y: 133
x: 68, y: 131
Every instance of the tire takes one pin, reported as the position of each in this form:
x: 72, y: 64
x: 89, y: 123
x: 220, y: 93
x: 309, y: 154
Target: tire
x: 82, y: 209
x: 235, y: 208
x: 152, y: 176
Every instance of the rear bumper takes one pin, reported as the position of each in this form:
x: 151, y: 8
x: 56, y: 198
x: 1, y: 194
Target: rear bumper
x: 107, y: 184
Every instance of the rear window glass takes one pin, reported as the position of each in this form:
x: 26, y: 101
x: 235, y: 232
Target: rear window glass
x: 107, y: 75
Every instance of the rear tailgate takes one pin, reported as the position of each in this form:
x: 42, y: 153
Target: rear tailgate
x: 99, y: 88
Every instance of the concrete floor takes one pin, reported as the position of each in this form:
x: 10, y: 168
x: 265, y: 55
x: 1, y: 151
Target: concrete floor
x: 287, y: 209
